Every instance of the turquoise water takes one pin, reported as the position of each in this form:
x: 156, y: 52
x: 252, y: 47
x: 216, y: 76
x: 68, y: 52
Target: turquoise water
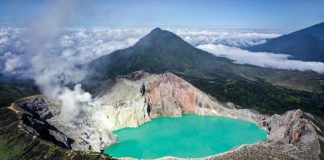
x: 189, y: 136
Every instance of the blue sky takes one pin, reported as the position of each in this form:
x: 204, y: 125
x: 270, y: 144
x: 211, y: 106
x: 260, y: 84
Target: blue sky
x: 257, y: 14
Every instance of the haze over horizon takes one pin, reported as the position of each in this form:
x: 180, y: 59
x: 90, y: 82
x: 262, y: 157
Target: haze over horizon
x: 284, y: 16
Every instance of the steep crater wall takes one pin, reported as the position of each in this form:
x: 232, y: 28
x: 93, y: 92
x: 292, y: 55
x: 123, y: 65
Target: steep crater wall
x: 138, y: 97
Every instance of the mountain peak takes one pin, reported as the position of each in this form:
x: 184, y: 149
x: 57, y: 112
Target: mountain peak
x: 157, y: 52
x: 158, y: 35
x: 157, y: 29
x: 158, y: 32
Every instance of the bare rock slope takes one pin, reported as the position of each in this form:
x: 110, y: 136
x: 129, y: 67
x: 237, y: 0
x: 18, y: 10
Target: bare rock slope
x: 138, y: 97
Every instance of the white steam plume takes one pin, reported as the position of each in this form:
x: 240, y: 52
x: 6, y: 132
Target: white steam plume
x: 52, y: 72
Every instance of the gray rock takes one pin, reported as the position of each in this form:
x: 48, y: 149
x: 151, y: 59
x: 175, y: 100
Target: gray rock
x: 136, y: 98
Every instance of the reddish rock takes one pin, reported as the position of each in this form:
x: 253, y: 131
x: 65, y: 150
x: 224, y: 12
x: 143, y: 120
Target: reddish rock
x: 295, y: 136
x: 171, y: 92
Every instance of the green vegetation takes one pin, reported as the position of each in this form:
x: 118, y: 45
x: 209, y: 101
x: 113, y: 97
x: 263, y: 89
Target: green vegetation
x: 11, y: 92
x: 17, y: 144
x: 245, y: 85
x: 161, y: 51
x: 261, y: 96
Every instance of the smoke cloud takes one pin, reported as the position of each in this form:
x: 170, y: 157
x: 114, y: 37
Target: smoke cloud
x: 50, y: 70
x: 73, y: 101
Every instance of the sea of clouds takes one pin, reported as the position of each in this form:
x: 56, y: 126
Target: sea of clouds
x: 81, y: 45
x: 262, y: 59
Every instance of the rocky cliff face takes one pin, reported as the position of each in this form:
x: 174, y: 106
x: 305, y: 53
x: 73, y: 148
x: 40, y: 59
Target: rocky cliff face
x: 40, y: 117
x: 138, y: 97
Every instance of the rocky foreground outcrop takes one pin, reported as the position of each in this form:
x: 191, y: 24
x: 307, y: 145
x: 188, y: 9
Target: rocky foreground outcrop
x: 138, y: 97
x: 16, y: 144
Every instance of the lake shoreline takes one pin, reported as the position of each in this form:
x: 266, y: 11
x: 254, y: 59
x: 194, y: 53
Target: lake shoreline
x: 203, y: 127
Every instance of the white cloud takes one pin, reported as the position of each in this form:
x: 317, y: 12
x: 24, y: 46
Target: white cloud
x: 238, y: 38
x: 53, y: 63
x: 3, y: 40
x: 90, y: 43
x: 80, y: 46
x: 76, y: 46
x: 262, y: 59
x: 12, y: 63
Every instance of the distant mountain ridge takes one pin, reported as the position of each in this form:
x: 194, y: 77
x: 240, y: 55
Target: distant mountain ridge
x: 306, y: 44
x: 161, y: 51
